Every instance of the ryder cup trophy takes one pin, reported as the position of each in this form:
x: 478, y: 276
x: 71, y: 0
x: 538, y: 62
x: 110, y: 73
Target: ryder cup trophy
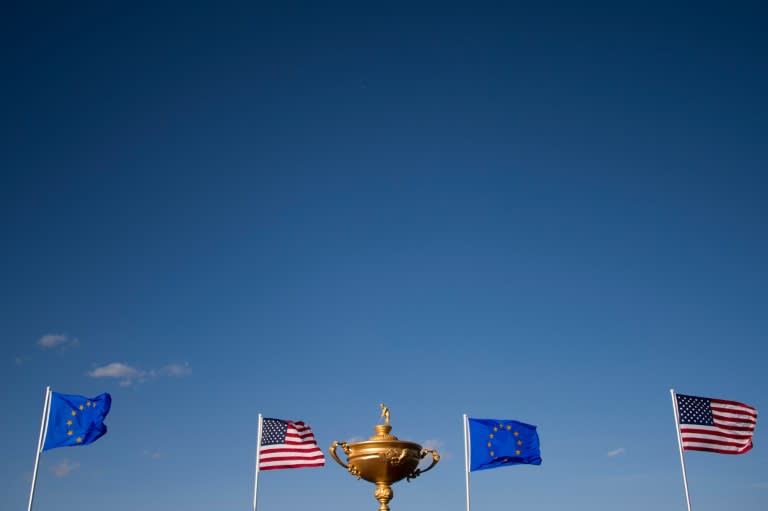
x: 383, y: 459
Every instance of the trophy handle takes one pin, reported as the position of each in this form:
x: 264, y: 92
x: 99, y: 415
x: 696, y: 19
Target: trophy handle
x: 344, y: 448
x: 435, y: 458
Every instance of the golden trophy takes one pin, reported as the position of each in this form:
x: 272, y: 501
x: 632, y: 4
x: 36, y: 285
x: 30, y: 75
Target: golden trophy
x: 383, y: 459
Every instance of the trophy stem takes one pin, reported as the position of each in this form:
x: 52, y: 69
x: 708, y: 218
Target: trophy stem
x: 383, y: 494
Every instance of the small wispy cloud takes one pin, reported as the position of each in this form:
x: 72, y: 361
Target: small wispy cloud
x: 64, y: 468
x: 18, y: 361
x: 760, y: 485
x: 115, y: 370
x: 177, y: 370
x: 51, y: 341
x: 129, y: 375
x: 155, y: 455
x: 616, y: 452
x: 125, y: 373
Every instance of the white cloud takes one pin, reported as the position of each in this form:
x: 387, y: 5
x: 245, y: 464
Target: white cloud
x: 126, y: 374
x: 129, y: 375
x: 176, y: 369
x: 616, y: 452
x: 52, y: 340
x: 19, y: 361
x: 64, y: 467
x: 115, y: 370
x: 152, y: 454
x: 759, y: 485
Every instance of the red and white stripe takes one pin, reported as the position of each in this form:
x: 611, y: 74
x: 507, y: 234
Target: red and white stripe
x: 732, y: 433
x: 299, y: 450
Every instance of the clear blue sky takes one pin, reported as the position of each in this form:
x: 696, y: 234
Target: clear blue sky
x: 552, y: 214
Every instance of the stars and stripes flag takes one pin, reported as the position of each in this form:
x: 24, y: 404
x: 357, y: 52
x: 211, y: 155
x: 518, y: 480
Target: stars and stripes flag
x: 715, y: 425
x: 288, y: 444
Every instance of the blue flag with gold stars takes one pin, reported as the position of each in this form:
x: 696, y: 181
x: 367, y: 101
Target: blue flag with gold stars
x: 495, y: 443
x: 76, y: 420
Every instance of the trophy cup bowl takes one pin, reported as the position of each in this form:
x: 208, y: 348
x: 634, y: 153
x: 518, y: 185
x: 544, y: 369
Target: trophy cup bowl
x: 383, y: 459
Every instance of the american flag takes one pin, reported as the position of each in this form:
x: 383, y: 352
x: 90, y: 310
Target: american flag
x: 288, y: 444
x: 715, y: 425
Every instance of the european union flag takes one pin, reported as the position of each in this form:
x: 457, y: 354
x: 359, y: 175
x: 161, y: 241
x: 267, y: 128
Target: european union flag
x: 76, y: 420
x: 495, y: 443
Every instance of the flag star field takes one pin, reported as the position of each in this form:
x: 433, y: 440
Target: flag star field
x: 695, y: 411
x: 274, y: 432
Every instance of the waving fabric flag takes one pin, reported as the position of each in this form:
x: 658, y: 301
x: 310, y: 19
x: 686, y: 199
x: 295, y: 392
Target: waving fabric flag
x: 496, y: 443
x: 76, y: 420
x: 288, y: 444
x: 715, y: 425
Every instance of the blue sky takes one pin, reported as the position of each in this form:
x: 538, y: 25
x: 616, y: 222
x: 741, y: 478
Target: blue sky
x: 550, y: 214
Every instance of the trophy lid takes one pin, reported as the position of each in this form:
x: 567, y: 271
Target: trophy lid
x: 382, y: 430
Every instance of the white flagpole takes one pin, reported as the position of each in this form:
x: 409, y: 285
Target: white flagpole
x: 258, y: 450
x: 40, y: 440
x: 680, y: 445
x: 466, y: 455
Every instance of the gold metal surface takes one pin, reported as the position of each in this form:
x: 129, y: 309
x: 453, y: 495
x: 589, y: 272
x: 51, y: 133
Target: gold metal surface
x: 384, y: 413
x: 383, y: 459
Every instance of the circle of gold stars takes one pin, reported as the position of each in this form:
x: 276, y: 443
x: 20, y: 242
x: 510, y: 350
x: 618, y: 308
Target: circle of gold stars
x: 70, y: 422
x: 491, y: 436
